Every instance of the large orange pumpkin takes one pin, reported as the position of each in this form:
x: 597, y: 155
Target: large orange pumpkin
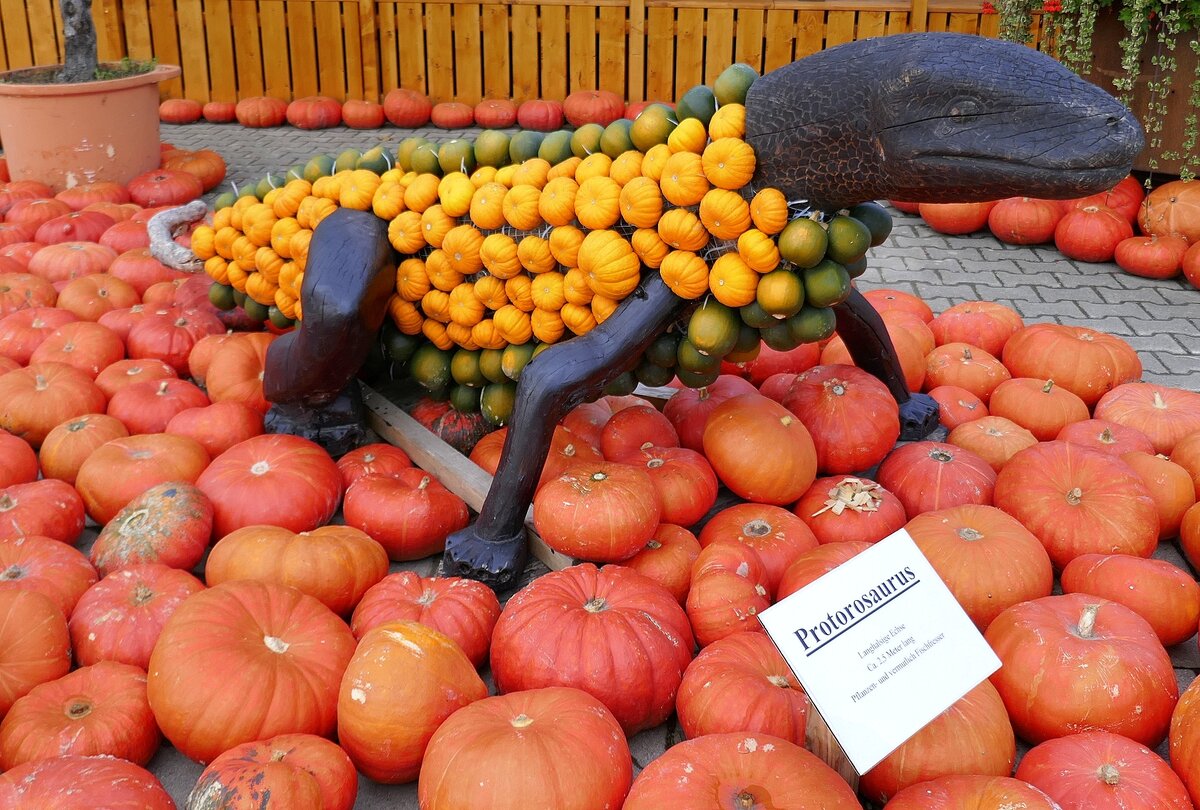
x: 993, y: 438
x: 1185, y: 739
x: 973, y: 736
x: 35, y: 646
x: 776, y: 535
x: 1107, y: 437
x: 760, y: 449
x: 121, y: 470
x: 1085, y: 361
x: 121, y: 617
x: 1040, y: 406
x: 600, y: 511
x: 289, y: 770
x: 1186, y: 454
x: 987, y: 559
x: 279, y: 655
x: 1163, y: 594
x: 402, y: 682
x: 21, y: 290
x: 148, y: 407
x: 18, y: 462
x: 1164, y: 414
x: 379, y: 458
x: 958, y: 791
x: 852, y: 418
x: 272, y: 479
x: 667, y: 559
x: 840, y: 508
x: 1078, y: 663
x: 97, y: 709
x: 83, y: 783
x: 46, y: 565
x: 1078, y: 501
x: 334, y: 564
x: 935, y: 475
x: 23, y: 330
x: 811, y: 565
x: 218, y: 426
x: 964, y: 366
x: 1169, y: 485
x: 736, y: 769
x: 638, y: 641
x: 35, y: 399
x: 89, y: 297
x: 46, y: 507
x: 1172, y: 208
x: 236, y: 370
x: 409, y: 512
x: 128, y: 372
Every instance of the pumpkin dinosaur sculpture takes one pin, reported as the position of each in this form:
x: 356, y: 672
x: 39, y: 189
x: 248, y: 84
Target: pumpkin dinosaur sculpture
x: 929, y: 117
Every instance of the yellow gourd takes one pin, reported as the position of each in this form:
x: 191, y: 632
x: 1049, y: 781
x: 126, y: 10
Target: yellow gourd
x: 556, y: 204
x: 689, y: 136
x: 202, y: 242
x: 649, y: 247
x: 465, y: 306
x: 287, y: 203
x: 217, y: 268
x: 487, y: 206
x: 564, y: 168
x: 685, y: 273
x: 388, y: 201
x: 435, y: 224
x: 436, y: 305
x: 682, y: 230
x: 490, y: 290
x: 728, y: 122
x: 519, y: 290
x: 594, y: 165
x: 547, y: 326
x: 597, y: 205
x: 461, y: 335
x: 513, y: 324
x: 405, y: 315
x: 406, y: 233
x: 724, y: 213
x: 521, y: 206
x: 534, y: 254
x: 461, y: 246
x: 435, y: 333
x: 533, y: 172
x: 564, y: 244
x: 268, y: 264
x: 487, y: 336
x: 683, y: 181
x: 281, y: 236
x: 499, y: 255
x: 728, y: 163
x: 655, y: 161
x: 732, y: 281
x: 422, y: 192
x: 578, y: 319
x: 455, y: 192
x: 627, y: 166
x: 576, y: 288
x: 758, y: 250
x: 602, y: 307
x: 641, y: 202
x: 358, y: 190
x: 769, y: 211
x: 612, y: 268
x: 547, y: 292
x: 441, y: 274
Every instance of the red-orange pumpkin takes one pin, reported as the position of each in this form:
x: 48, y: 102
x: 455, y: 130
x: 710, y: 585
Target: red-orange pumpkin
x: 842, y: 508
x: 378, y: 458
x: 83, y: 783
x: 205, y: 164
x: 21, y: 290
x: 219, y: 112
x: 452, y: 115
x: 1040, y: 406
x: 964, y: 366
x: 82, y: 345
x: 81, y: 196
x: 70, y: 442
x: 280, y: 653
x: 985, y: 324
x: 164, y: 187
x: 1164, y: 414
x: 46, y: 507
x: 742, y: 684
x: 667, y: 559
x: 593, y: 107
x: 406, y: 108
x: 599, y: 511
x: 771, y: 363
x: 633, y: 429
x: 314, y: 112
x: 124, y: 373
x: 564, y: 736
x: 358, y: 114
x: 934, y: 475
x: 402, y: 682
x: 89, y: 297
x: 1186, y: 454
x: 180, y: 111
x: 495, y: 113
x: 776, y: 535
x: 96, y: 710
x: 638, y: 641
x: 959, y: 791
x: 289, y: 770
x: 729, y: 589
x: 987, y: 559
x: 1091, y: 233
x: 542, y: 115
x: 745, y: 430
x: 121, y: 616
x: 408, y: 512
x: 1085, y: 361
x: 463, y: 609
x: 35, y: 399
x: 169, y: 524
x: 18, y: 462
x: 956, y: 218
x: 811, y: 565
x: 32, y: 213
x: 48, y: 566
x: 1059, y: 653
x: 1190, y: 265
x: 77, y: 226
x: 1163, y: 594
x: 1103, y: 771
x: 218, y: 426
x: 1078, y: 501
x: 1125, y: 198
x: 272, y: 479
x: 689, y: 408
x: 126, y: 236
x: 121, y: 470
x: 148, y: 407
x: 739, y: 770
x: 1151, y: 256
x: 993, y: 438
x: 1172, y: 208
x: 261, y: 111
x: 684, y: 482
x: 973, y: 736
x: 1185, y: 739
x: 333, y: 564
x: 1169, y: 485
x: 169, y: 336
x: 34, y: 644
x: 1024, y: 220
x: 61, y: 262
x: 236, y: 370
x: 1107, y: 437
x: 852, y: 419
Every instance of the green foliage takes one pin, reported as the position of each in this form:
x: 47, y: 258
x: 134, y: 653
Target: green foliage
x: 126, y: 67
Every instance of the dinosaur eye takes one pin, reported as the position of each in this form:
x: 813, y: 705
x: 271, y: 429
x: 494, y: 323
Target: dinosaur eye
x: 964, y: 107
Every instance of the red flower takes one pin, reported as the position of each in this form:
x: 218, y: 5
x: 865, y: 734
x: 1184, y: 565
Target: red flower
x: 988, y: 8
x: 1052, y: 6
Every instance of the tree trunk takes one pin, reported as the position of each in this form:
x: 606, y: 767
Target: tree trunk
x: 79, y: 33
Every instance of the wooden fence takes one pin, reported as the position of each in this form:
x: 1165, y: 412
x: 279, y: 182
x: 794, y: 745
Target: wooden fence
x: 464, y: 50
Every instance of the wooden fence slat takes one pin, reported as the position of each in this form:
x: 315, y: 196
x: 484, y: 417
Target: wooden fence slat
x: 410, y: 39
x: 389, y: 55
x: 839, y: 28
x: 718, y: 43
x: 660, y: 55
x: 439, y: 52
x: 301, y: 36
x: 964, y: 23
x: 581, y: 33
x: 468, y: 68
x: 611, y: 61
x: 193, y: 52
x: 42, y: 33
x: 780, y: 39
x: 275, y: 49
x: 368, y: 48
x: 553, y: 51
x: 3, y: 46
x: 689, y: 55
x: 636, y: 89
x: 247, y: 49
x: 497, y: 81
x: 161, y: 31
x: 222, y: 67
x: 871, y: 24
x: 16, y: 25
x: 897, y: 22
x: 749, y: 43
x: 810, y: 33
x: 525, y: 79
x: 330, y: 65
x: 353, y: 43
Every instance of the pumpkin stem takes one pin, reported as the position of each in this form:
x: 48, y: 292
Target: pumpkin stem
x: 967, y: 354
x: 278, y: 756
x: 78, y: 425
x: 1087, y: 621
x: 162, y: 388
x: 368, y: 458
x: 595, y: 605
x: 427, y: 597
x: 141, y: 595
x: 1075, y: 496
x: 836, y: 387
x: 275, y: 644
x: 855, y: 494
x: 260, y: 468
x: 78, y: 709
x: 940, y: 455
x: 6, y: 502
x: 969, y: 534
x: 655, y: 463
x: 756, y: 528
x: 1106, y: 437
x: 599, y: 476
x: 1046, y: 388
x: 521, y: 721
x: 703, y: 393
x: 569, y: 451
x: 746, y: 800
x: 1158, y: 400
x: 425, y: 480
x: 786, y: 420
x: 39, y: 383
x: 133, y: 521
x: 1109, y: 774
x: 11, y: 573
x: 653, y: 544
x: 780, y: 681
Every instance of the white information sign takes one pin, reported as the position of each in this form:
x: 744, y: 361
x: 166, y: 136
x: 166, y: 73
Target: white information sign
x: 881, y: 647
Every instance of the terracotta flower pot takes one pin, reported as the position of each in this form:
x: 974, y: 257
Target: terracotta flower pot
x: 67, y: 134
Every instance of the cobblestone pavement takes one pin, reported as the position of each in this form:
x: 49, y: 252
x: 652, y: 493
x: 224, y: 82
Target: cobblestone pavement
x: 1160, y: 319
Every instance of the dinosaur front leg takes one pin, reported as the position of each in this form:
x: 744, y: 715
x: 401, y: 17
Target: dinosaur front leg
x: 868, y: 342
x: 493, y: 549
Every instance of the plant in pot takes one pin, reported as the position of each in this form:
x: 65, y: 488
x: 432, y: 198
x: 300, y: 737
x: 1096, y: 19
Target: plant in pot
x: 1145, y: 52
x: 81, y: 122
